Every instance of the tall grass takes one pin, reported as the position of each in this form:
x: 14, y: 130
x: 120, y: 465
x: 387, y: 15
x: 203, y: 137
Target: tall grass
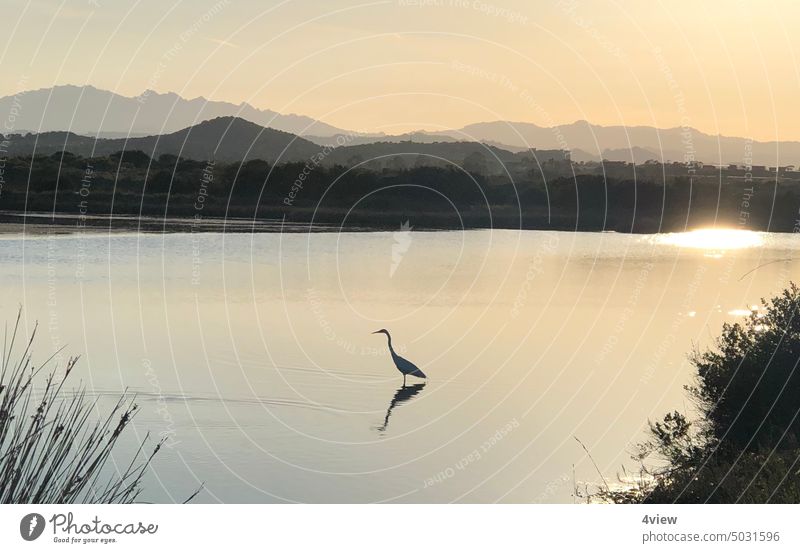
x: 54, y: 446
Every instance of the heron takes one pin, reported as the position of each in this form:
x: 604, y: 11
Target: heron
x: 403, y: 365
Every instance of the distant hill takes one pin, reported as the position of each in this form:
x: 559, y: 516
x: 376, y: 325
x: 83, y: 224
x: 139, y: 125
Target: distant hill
x: 418, y: 137
x: 635, y: 154
x: 474, y: 157
x: 233, y: 139
x: 222, y: 139
x: 590, y: 141
x: 358, y: 139
x: 89, y: 111
x: 94, y: 112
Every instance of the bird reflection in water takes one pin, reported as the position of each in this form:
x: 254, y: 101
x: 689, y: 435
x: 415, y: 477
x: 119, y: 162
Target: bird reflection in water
x: 403, y: 394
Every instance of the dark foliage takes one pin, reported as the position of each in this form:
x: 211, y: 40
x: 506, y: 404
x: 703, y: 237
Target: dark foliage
x: 522, y: 193
x: 745, y: 445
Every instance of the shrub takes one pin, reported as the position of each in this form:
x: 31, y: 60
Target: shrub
x: 743, y: 447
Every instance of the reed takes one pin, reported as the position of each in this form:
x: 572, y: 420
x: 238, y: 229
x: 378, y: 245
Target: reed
x: 54, y: 445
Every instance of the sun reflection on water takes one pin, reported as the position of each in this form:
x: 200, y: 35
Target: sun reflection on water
x: 713, y: 239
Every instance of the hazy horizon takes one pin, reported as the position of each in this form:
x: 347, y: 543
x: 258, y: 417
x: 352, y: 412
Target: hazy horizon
x: 397, y: 66
x: 552, y: 125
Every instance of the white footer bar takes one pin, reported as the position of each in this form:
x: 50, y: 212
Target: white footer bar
x: 399, y: 528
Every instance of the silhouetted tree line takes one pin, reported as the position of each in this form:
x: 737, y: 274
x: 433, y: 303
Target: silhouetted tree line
x: 545, y: 196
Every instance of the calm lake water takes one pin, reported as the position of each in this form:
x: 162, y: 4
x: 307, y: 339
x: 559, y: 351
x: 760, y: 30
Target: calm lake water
x: 254, y: 355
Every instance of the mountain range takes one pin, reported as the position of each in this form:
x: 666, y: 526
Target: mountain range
x: 87, y: 111
x: 223, y: 139
x: 587, y: 141
x: 94, y: 112
x: 233, y: 139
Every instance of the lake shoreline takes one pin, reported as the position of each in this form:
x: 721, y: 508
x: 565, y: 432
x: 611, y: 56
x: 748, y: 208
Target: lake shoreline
x: 39, y: 223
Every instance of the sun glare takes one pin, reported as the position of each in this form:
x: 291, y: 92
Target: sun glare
x: 713, y: 239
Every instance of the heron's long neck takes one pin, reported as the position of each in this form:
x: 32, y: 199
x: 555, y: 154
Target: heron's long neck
x: 389, y: 338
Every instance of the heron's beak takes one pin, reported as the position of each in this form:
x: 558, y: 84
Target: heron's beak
x: 377, y: 332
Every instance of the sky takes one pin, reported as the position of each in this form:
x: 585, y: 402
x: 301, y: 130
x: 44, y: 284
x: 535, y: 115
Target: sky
x: 722, y: 66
